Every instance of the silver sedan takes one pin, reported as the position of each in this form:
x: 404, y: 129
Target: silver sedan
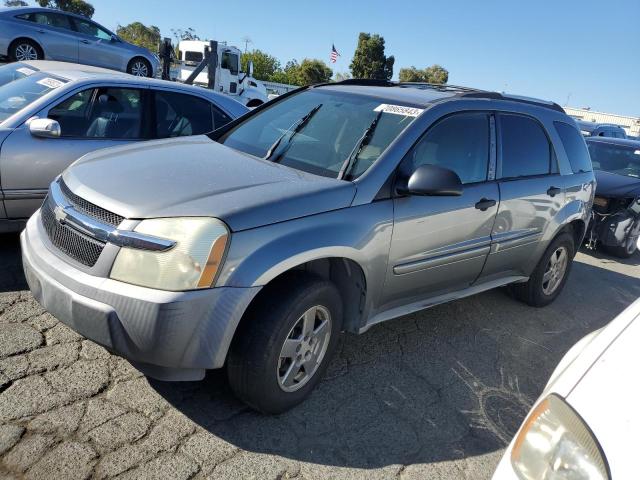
x: 43, y: 33
x: 52, y: 113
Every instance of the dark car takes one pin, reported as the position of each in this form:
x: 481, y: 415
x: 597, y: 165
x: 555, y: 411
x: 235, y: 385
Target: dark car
x: 616, y: 207
x: 592, y: 129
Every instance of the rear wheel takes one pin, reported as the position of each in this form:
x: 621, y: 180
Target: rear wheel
x: 25, y: 49
x: 139, y: 67
x: 550, y: 275
x: 284, y: 346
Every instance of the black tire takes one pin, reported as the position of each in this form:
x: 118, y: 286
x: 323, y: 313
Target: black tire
x: 533, y: 291
x: 19, y: 48
x: 254, y: 365
x: 136, y: 64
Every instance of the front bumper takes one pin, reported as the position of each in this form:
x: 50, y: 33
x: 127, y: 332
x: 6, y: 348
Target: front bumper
x: 167, y: 335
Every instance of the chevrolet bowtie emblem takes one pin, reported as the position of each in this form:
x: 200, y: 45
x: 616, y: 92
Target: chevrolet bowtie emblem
x: 60, y: 214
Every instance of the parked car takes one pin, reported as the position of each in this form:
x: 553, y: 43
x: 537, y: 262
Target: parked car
x: 42, y: 33
x: 56, y: 112
x: 616, y: 207
x: 592, y: 129
x: 329, y: 209
x: 583, y: 426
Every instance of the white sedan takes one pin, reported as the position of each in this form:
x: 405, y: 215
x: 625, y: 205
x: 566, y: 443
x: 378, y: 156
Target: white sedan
x: 585, y: 423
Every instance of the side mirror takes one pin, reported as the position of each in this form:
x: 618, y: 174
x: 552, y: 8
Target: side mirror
x: 114, y: 38
x: 431, y: 180
x: 250, y: 68
x: 44, y: 128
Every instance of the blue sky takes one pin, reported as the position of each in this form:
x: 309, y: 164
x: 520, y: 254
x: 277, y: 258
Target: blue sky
x: 586, y: 51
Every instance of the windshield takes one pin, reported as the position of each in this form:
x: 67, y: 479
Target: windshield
x: 620, y: 159
x: 324, y: 142
x: 15, y: 71
x: 18, y: 94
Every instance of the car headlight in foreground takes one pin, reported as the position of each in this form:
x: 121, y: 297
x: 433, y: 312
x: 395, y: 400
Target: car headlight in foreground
x: 555, y: 444
x: 191, y: 264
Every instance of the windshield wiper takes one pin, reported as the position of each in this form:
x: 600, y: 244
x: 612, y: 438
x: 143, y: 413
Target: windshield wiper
x: 291, y: 132
x: 351, y: 161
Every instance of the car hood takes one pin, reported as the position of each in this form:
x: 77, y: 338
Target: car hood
x: 613, y: 185
x: 605, y: 393
x: 196, y: 176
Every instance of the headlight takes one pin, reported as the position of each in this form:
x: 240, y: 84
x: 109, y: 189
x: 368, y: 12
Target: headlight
x: 555, y: 444
x: 192, y: 263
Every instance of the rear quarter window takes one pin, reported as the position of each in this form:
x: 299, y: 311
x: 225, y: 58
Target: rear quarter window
x: 575, y: 147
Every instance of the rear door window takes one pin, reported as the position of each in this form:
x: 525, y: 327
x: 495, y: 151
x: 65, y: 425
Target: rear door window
x: 575, y: 147
x: 525, y: 148
x: 179, y: 115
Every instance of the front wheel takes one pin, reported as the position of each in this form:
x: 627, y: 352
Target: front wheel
x: 284, y: 346
x: 630, y: 244
x: 550, y: 275
x: 139, y: 67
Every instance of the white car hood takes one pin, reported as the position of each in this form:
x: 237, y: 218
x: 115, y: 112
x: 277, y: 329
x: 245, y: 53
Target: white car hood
x: 608, y: 393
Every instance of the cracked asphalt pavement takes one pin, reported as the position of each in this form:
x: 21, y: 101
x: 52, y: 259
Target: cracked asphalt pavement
x: 434, y: 395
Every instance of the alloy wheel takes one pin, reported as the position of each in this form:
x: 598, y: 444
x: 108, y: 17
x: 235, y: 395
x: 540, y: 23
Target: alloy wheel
x: 304, y: 348
x: 556, y: 268
x: 25, y: 51
x: 139, y: 69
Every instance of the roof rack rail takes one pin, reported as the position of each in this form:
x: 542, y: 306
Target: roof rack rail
x: 514, y: 98
x: 444, y: 87
x: 369, y: 82
x: 459, y: 91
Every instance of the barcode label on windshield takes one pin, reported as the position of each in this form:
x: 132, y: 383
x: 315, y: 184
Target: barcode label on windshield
x: 50, y: 82
x: 399, y: 110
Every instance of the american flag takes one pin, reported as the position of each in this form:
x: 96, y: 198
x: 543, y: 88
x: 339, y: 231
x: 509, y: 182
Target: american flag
x: 334, y: 54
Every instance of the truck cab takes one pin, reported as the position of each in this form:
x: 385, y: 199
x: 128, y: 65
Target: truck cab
x: 228, y: 80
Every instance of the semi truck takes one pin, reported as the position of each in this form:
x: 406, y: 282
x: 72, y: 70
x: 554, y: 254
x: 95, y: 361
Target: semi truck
x: 227, y: 78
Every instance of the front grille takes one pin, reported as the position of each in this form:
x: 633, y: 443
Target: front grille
x: 81, y: 248
x: 88, y: 208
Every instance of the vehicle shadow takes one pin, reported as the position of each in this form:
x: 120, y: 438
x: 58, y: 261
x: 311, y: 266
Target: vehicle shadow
x: 11, y: 274
x: 447, y: 383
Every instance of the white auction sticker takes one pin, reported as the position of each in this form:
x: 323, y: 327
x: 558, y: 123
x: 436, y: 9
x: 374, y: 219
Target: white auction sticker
x: 637, y: 152
x: 50, y: 82
x: 25, y: 71
x: 399, y: 110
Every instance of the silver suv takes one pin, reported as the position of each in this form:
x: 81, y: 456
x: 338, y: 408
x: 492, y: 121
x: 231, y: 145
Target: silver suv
x: 330, y: 209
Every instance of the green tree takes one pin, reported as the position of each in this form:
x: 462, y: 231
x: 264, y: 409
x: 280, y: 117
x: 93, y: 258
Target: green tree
x: 411, y: 74
x: 340, y: 76
x: 141, y: 35
x: 369, y: 60
x: 436, y: 74
x: 15, y: 3
x: 433, y: 74
x: 313, y: 71
x: 79, y: 7
x: 265, y: 66
x: 187, y: 34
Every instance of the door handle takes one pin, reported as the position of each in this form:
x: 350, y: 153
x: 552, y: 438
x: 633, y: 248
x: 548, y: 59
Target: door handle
x: 553, y: 191
x: 85, y: 41
x: 485, y: 203
x: 41, y: 31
